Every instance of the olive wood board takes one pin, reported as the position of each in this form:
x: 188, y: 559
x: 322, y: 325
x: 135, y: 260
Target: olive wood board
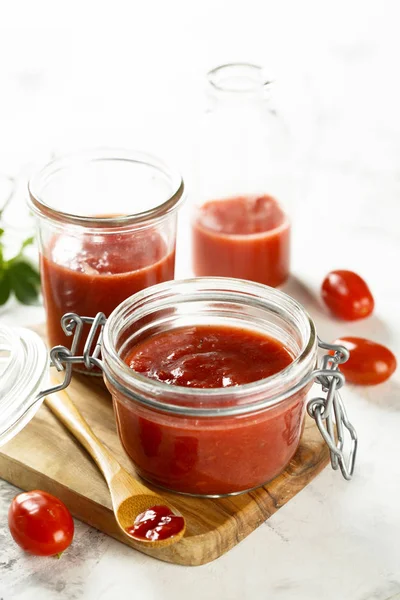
x: 45, y: 456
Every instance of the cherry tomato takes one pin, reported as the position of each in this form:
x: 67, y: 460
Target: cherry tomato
x: 40, y: 523
x: 369, y: 363
x: 347, y: 295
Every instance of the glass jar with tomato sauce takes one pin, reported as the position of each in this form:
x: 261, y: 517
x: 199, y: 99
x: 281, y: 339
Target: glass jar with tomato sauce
x: 226, y: 415
x: 107, y: 229
x: 217, y: 440
x: 243, y: 180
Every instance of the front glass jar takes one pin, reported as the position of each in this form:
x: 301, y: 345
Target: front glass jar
x: 207, y: 442
x: 106, y: 225
x: 210, y: 442
x: 243, y: 182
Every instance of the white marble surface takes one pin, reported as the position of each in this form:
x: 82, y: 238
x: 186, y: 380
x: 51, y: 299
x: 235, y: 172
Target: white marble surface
x: 132, y: 75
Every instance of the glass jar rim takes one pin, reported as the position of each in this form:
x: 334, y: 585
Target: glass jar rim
x: 254, y: 74
x: 297, y: 373
x: 40, y: 207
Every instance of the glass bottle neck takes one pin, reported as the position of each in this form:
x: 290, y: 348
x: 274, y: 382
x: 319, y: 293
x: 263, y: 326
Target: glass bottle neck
x: 239, y: 83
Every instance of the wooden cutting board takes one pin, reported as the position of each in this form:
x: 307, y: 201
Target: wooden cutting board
x: 45, y: 456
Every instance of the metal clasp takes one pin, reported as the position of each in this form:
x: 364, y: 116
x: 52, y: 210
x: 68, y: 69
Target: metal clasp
x: 330, y: 410
x: 63, y: 358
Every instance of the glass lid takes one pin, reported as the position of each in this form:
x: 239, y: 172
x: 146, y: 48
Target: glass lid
x: 23, y: 372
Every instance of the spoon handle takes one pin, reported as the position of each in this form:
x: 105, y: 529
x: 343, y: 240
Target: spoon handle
x: 65, y: 410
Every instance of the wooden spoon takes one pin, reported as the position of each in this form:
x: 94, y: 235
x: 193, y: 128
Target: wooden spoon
x: 129, y: 496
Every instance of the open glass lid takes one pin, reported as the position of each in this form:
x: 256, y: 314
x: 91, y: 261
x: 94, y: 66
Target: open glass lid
x: 24, y: 367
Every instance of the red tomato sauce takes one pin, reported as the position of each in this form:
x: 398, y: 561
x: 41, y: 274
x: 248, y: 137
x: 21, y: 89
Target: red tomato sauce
x: 156, y: 523
x: 96, y: 273
x: 208, y: 357
x: 246, y: 237
x: 218, y: 455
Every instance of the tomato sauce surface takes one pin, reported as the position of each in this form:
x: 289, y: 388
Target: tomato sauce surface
x: 247, y: 237
x: 218, y: 455
x: 208, y: 357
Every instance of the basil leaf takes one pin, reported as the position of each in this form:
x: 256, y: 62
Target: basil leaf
x: 24, y: 269
x: 1, y: 253
x: 25, y: 281
x: 28, y: 242
x: 5, y: 287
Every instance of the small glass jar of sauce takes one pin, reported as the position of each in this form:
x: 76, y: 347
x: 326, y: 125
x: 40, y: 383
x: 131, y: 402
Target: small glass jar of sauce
x: 209, y: 379
x: 106, y: 227
x: 243, y: 181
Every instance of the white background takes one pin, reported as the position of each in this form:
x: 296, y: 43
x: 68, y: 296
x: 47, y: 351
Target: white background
x: 81, y: 74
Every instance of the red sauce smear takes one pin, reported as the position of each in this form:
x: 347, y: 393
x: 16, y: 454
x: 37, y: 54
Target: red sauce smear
x: 95, y: 273
x: 156, y: 523
x: 218, y: 455
x: 247, y: 237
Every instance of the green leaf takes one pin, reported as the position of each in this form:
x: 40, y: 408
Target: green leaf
x: 1, y: 231
x: 24, y: 269
x: 25, y: 281
x: 28, y: 242
x: 5, y: 287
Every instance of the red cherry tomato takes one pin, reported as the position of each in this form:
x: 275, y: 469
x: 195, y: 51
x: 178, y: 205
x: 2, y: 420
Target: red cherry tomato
x: 40, y: 523
x: 347, y: 295
x: 369, y: 363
